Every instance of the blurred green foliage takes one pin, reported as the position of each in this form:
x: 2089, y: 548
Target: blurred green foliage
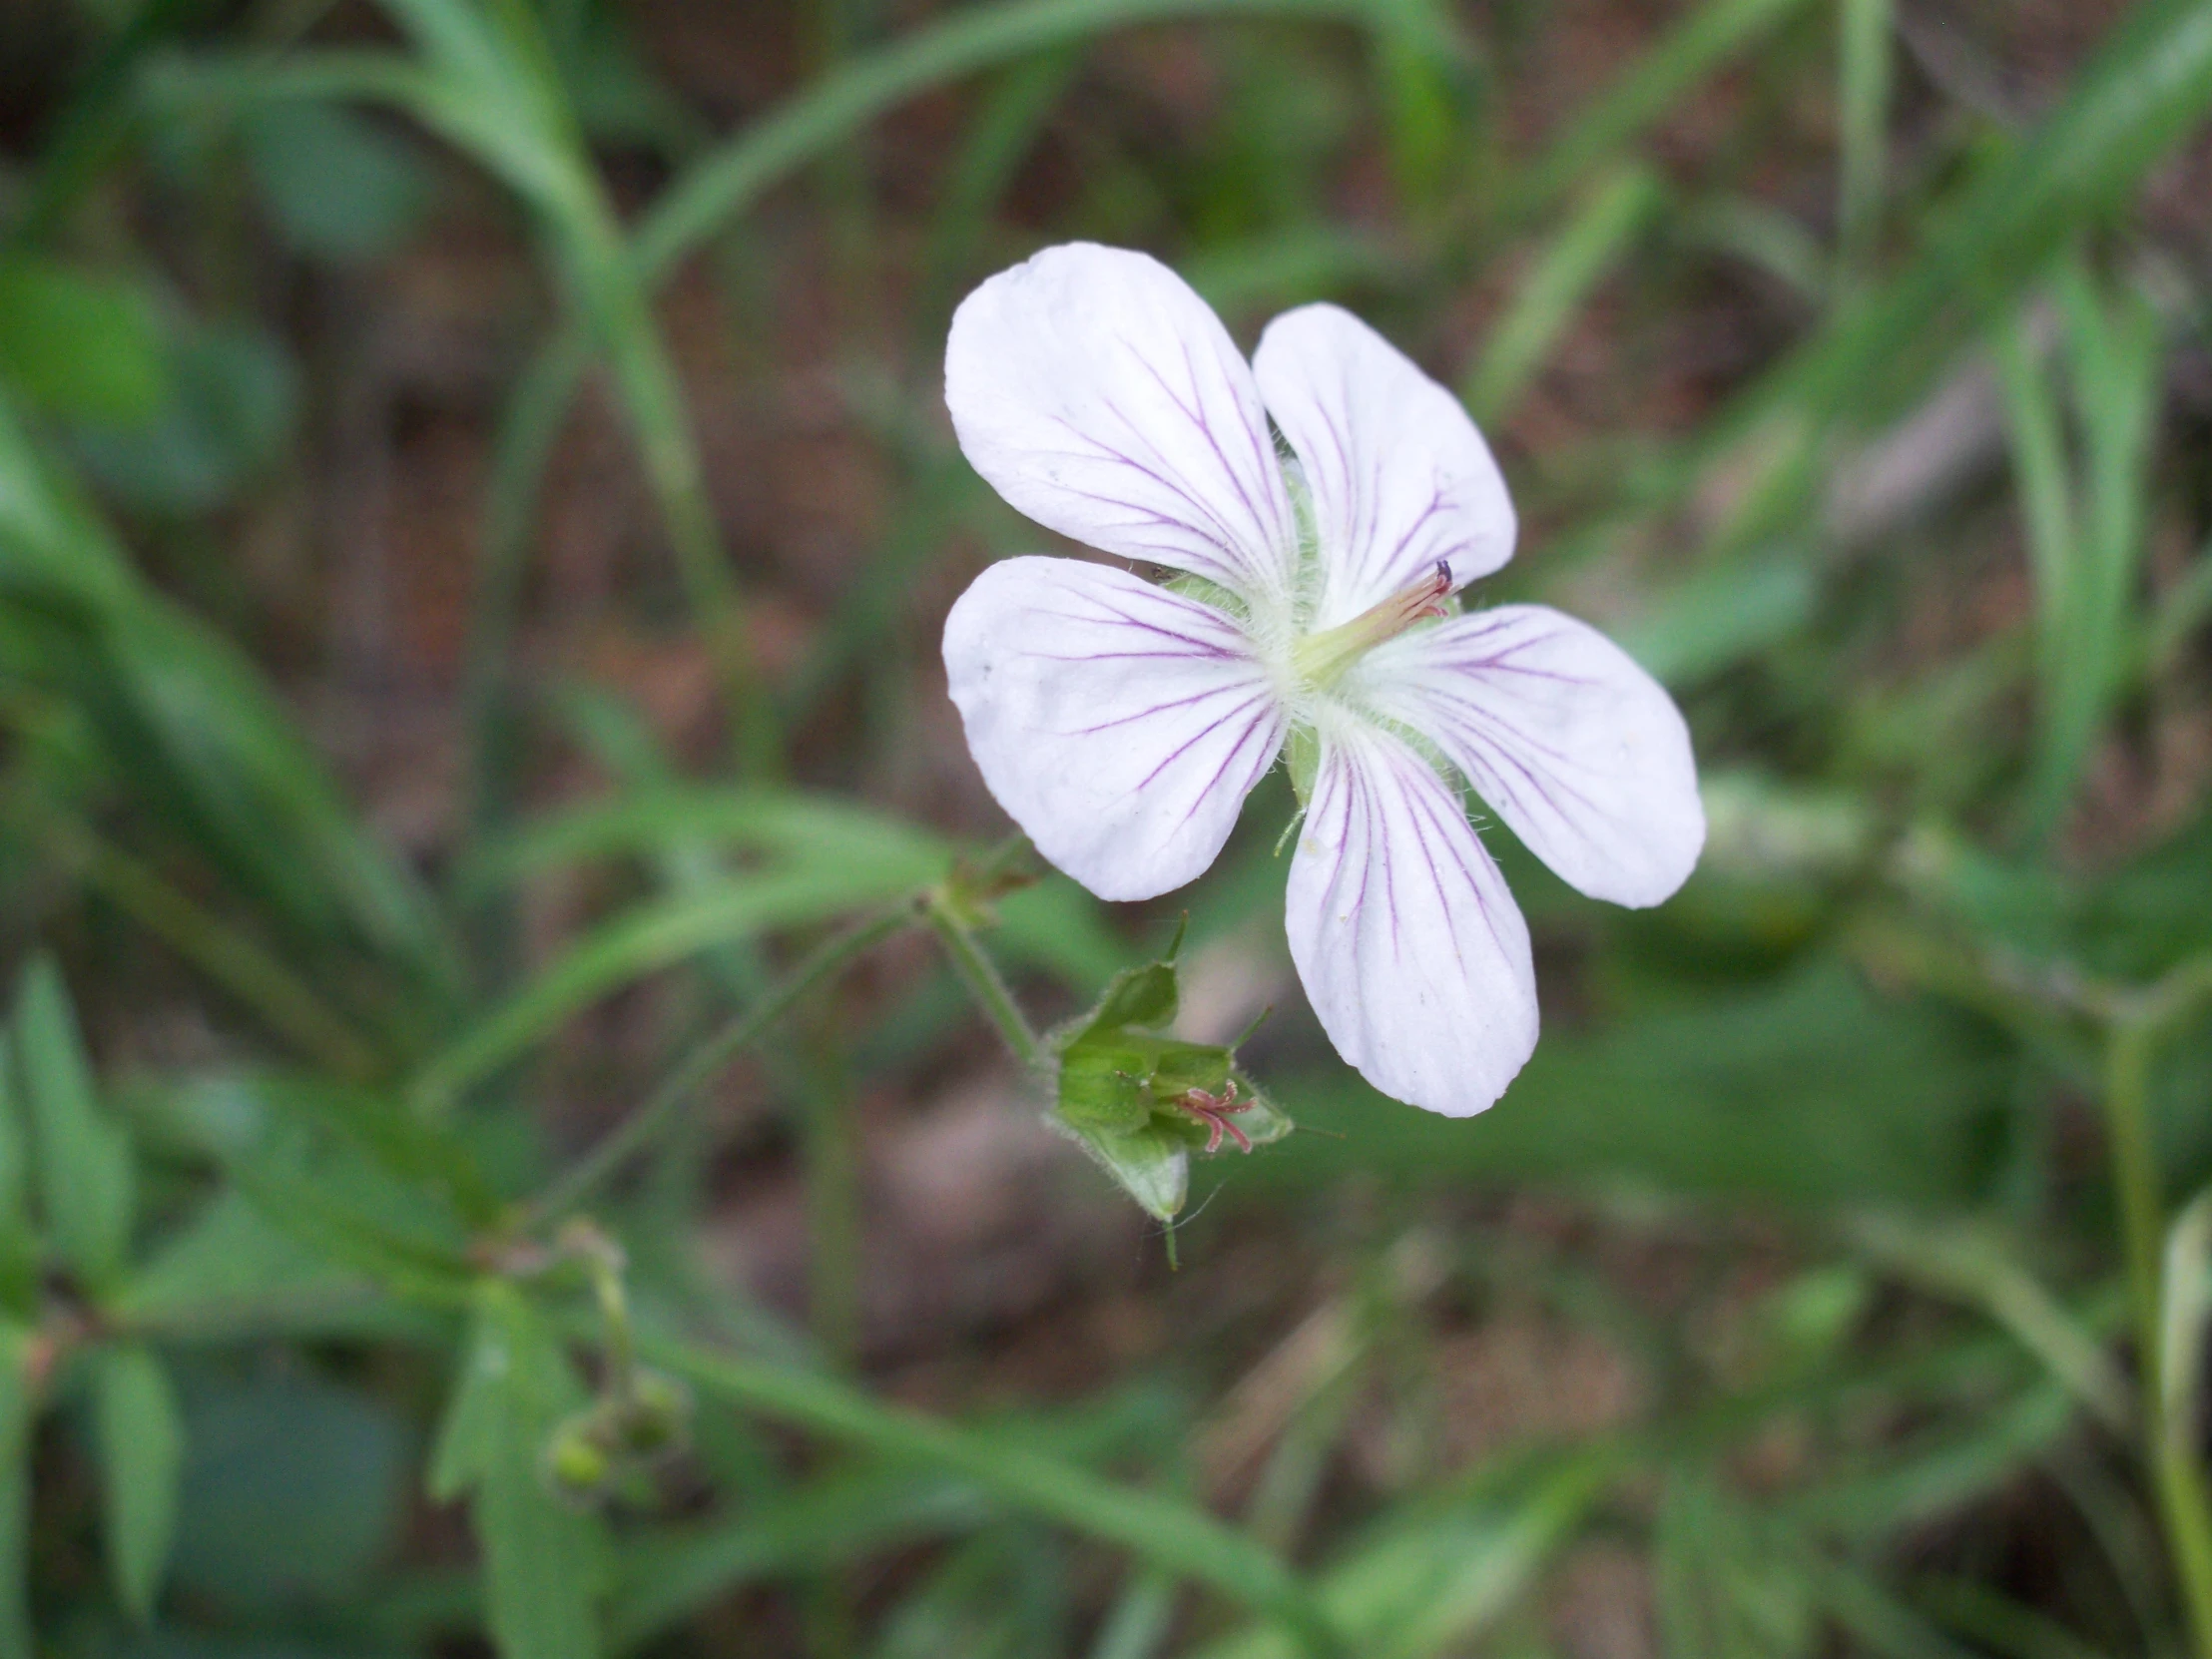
x: 1904, y: 1084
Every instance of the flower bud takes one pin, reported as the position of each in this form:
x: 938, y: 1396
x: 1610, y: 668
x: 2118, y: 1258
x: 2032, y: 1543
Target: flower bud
x: 578, y: 1463
x: 1141, y: 1102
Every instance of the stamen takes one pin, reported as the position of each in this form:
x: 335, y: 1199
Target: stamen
x: 1321, y: 659
x: 1215, y: 1112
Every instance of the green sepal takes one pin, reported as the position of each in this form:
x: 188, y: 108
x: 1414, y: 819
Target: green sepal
x: 1152, y: 1166
x: 1187, y: 586
x: 1302, y: 754
x: 1140, y: 996
x: 1121, y: 1082
x: 1102, y: 1089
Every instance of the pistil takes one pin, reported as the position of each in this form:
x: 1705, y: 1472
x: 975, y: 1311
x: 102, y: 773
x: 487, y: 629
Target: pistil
x: 1321, y: 660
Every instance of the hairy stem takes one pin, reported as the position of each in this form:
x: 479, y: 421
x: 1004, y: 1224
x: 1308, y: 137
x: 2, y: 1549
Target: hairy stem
x: 979, y: 975
x: 675, y: 1091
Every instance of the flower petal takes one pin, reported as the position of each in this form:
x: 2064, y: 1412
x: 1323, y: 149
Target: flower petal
x: 1412, y: 951
x: 1558, y: 730
x: 1101, y: 396
x: 1120, y: 724
x: 1400, y: 476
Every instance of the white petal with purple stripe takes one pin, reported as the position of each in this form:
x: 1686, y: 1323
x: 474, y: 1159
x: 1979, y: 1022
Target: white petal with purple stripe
x: 1413, y: 952
x: 1120, y: 724
x: 1102, y: 397
x: 1400, y: 479
x: 1564, y: 737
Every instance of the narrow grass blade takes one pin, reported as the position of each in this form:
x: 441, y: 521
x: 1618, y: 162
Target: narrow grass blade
x: 206, y: 745
x: 1180, y: 1541
x: 97, y: 120
x: 2085, y: 537
x: 2145, y: 88
x: 18, y: 1414
x: 1432, y: 1580
x: 1615, y: 116
x: 1864, y: 52
x: 654, y: 935
x: 725, y: 182
x: 1561, y: 279
x: 836, y: 1517
x: 717, y: 188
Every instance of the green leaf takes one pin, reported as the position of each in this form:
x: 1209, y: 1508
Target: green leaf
x: 232, y: 400
x: 83, y: 1155
x: 647, y: 938
x: 81, y: 345
x: 232, y: 1263
x: 1805, y: 1090
x: 352, y: 1212
x: 18, y: 1237
x: 18, y: 1408
x: 337, y: 184
x: 658, y: 821
x: 141, y: 1438
x: 1592, y: 243
x: 294, y: 1490
x: 545, y: 1563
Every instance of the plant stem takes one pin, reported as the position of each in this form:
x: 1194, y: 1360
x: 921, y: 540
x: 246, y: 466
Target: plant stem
x: 635, y: 1132
x: 831, y: 1154
x: 615, y: 303
x: 980, y: 975
x: 2169, y: 1439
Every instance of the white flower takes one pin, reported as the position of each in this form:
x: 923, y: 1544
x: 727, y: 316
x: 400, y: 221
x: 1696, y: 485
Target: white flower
x: 1121, y: 724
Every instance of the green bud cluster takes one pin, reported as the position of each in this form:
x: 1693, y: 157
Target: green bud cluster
x: 619, y: 1437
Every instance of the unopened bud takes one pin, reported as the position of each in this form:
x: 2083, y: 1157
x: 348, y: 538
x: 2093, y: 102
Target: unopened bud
x: 1141, y: 1102
x: 577, y: 1461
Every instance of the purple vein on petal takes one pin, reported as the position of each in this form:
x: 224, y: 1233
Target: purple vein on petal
x: 1268, y: 520
x: 1160, y: 471
x: 1252, y: 728
x: 1194, y: 698
x: 1259, y: 699
x: 1200, y: 649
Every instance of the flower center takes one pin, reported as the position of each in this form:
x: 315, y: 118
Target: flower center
x: 1319, y: 660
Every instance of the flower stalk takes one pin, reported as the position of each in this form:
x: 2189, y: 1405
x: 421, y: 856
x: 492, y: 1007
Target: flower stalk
x: 947, y: 914
x: 662, y: 1107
